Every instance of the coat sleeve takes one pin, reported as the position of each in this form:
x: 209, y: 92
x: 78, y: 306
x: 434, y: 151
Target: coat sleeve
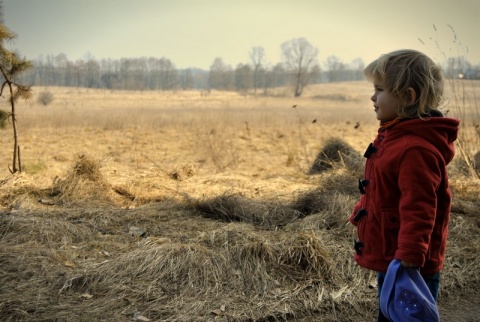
x: 419, y: 178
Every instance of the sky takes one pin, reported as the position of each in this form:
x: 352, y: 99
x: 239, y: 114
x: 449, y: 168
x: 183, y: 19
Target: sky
x: 192, y: 33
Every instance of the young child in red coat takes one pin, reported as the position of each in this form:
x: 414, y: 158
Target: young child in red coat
x: 404, y: 208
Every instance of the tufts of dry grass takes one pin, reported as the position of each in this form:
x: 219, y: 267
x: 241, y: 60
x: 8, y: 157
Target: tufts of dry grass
x: 236, y: 208
x: 461, y: 99
x: 83, y: 183
x: 335, y: 152
x: 158, y: 231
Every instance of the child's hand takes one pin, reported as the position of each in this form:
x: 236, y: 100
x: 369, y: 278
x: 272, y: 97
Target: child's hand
x: 407, y: 264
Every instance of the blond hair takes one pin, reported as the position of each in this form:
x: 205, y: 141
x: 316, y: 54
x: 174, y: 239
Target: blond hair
x: 399, y: 70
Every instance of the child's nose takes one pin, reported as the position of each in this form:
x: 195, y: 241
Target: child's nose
x: 373, y: 98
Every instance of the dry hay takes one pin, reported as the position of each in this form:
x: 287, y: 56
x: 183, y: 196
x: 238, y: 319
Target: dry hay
x: 154, y: 277
x: 464, y: 235
x: 465, y: 167
x: 465, y: 196
x: 159, y: 270
x: 227, y: 258
x: 336, y: 193
x: 459, y: 168
x: 83, y: 183
x: 183, y: 172
x: 307, y: 253
x: 29, y: 275
x: 237, y: 208
x: 476, y: 161
x: 88, y: 263
x: 334, y: 197
x: 336, y: 153
x: 297, y: 256
x: 17, y: 190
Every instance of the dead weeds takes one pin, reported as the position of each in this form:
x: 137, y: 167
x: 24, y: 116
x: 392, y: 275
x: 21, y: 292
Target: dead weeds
x: 83, y: 249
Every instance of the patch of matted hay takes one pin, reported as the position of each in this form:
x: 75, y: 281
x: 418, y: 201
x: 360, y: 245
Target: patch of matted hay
x: 467, y: 167
x: 19, y: 191
x: 336, y: 153
x: 337, y: 239
x: 462, y: 263
x: 38, y: 251
x: 296, y: 252
x: 84, y: 264
x: 188, y: 269
x: 183, y: 172
x: 335, y: 195
x: 45, y: 229
x: 158, y: 270
x: 31, y: 274
x: 151, y: 185
x: 156, y: 186
x: 238, y: 208
x: 465, y: 190
x: 84, y: 184
x: 250, y: 255
x: 250, y: 275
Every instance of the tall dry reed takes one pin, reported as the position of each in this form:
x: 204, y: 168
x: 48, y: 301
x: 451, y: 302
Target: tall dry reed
x: 461, y: 101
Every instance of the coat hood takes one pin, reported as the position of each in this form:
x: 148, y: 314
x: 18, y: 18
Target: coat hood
x: 439, y: 131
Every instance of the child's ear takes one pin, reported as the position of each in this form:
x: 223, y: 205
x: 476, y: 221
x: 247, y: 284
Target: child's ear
x: 411, y: 96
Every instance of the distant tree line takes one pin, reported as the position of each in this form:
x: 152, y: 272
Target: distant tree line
x: 299, y: 67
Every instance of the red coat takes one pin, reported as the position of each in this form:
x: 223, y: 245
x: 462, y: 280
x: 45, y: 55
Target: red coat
x: 405, y: 208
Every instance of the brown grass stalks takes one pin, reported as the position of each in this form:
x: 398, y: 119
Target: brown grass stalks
x: 162, y: 234
x: 461, y: 101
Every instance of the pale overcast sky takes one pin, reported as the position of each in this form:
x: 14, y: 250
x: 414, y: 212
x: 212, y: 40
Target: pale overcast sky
x: 192, y: 33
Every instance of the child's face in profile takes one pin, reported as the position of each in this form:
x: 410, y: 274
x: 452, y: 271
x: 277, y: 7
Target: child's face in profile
x: 385, y: 103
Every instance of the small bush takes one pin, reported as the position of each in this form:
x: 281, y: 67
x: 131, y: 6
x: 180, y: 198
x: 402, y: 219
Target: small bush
x: 45, y: 98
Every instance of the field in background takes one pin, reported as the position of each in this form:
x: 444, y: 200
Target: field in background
x: 214, y: 132
x: 118, y: 186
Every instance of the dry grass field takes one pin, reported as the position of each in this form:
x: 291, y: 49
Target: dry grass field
x: 197, y: 206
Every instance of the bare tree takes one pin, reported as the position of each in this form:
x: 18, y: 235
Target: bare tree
x: 61, y: 62
x: 11, y: 65
x: 220, y: 75
x: 300, y: 58
x: 186, y: 79
x: 109, y: 78
x: 335, y: 68
x: 243, y: 77
x: 257, y: 57
x: 168, y: 74
x: 92, y: 72
x: 50, y: 70
x: 357, y: 65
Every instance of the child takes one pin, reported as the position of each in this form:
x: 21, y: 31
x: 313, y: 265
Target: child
x: 404, y: 209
